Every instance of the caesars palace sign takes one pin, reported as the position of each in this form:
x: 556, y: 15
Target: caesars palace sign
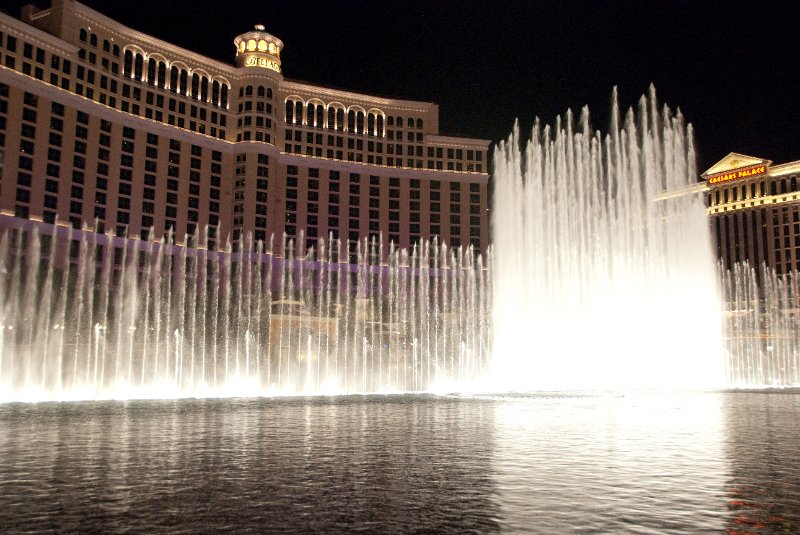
x: 736, y: 174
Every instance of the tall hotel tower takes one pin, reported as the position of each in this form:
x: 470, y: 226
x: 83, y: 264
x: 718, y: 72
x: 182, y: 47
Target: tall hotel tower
x: 104, y: 127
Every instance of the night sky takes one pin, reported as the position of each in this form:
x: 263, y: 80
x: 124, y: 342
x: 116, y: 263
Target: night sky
x: 733, y: 71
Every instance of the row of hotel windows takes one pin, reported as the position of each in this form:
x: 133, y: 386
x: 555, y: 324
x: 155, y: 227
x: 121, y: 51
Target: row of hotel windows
x: 204, y: 89
x: 253, y: 122
x: 785, y: 223
x: 316, y: 114
x: 198, y: 116
x: 312, y: 187
x: 104, y: 89
x: 735, y: 193
x: 376, y: 148
x: 127, y: 145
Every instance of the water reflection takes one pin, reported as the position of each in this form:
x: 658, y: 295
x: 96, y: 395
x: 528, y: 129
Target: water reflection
x: 764, y: 487
x: 611, y: 464
x: 545, y: 464
x: 358, y: 464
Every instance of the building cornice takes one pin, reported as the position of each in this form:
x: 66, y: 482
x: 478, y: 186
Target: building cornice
x: 367, y: 168
x: 293, y: 86
x: 454, y: 141
x: 103, y: 111
x: 177, y: 53
x: 785, y: 168
x: 34, y: 34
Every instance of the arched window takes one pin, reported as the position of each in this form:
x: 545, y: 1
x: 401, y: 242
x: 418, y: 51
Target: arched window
x: 298, y: 112
x: 289, y: 112
x: 783, y: 186
x: 390, y: 121
x: 310, y: 115
x: 138, y: 66
x: 204, y: 89
x: 380, y: 125
x: 241, y: 91
x: 106, y: 45
x: 351, y: 121
x: 331, y: 118
x: 340, y: 119
x: 162, y: 75
x: 127, y: 65
x: 320, y: 112
x: 215, y: 92
x: 269, y: 92
x: 195, y: 85
x: 83, y: 35
x: 248, y: 91
x: 173, y: 79
x: 184, y: 82
x: 793, y: 183
x: 419, y: 123
x: 261, y: 91
x: 115, y: 51
x: 360, y: 122
x: 410, y: 122
x: 371, y: 124
x: 93, y: 40
x: 399, y: 122
x: 223, y: 99
x: 151, y: 71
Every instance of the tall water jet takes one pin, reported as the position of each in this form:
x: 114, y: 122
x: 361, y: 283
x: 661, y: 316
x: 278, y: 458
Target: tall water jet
x: 603, y: 274
x: 92, y: 316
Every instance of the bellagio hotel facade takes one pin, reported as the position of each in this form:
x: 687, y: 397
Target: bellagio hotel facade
x: 102, y: 126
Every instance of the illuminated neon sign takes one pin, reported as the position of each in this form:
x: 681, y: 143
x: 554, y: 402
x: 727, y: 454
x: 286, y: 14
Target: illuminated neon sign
x: 736, y: 174
x: 256, y: 61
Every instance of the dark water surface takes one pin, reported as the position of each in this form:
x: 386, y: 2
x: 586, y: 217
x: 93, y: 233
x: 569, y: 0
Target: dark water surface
x: 638, y: 463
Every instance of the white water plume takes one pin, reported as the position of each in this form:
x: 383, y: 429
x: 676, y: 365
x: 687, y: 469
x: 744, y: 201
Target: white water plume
x: 603, y: 275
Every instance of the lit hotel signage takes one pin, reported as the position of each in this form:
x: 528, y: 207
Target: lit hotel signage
x: 736, y: 174
x: 256, y: 61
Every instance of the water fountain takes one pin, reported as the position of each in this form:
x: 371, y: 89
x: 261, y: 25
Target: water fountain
x: 762, y: 331
x: 601, y: 275
x: 604, y: 275
x: 88, y: 316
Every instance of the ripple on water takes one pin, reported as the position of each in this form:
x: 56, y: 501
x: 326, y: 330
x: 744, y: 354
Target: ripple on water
x: 548, y: 462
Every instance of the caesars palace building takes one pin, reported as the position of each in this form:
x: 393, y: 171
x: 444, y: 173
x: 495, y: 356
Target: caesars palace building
x: 754, y: 211
x: 104, y: 127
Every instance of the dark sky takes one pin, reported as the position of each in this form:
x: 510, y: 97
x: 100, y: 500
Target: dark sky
x: 732, y: 69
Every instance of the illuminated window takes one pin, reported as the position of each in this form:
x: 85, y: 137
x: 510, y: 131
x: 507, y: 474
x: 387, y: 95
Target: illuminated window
x: 204, y: 89
x: 162, y: 74
x: 195, y: 85
x: 151, y: 71
x: 215, y: 92
x: 289, y: 111
x: 223, y: 101
x: 138, y: 66
x: 360, y: 122
x: 339, y: 121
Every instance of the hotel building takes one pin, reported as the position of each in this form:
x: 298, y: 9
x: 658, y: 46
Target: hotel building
x: 105, y: 127
x: 754, y: 211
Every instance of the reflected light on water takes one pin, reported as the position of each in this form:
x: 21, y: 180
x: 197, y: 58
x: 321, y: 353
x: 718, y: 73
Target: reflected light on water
x: 656, y: 461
